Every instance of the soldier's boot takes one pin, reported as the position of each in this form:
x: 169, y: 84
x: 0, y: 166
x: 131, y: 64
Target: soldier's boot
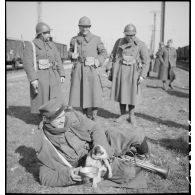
x: 124, y: 114
x: 94, y: 114
x: 164, y: 85
x: 132, y: 119
x: 86, y: 112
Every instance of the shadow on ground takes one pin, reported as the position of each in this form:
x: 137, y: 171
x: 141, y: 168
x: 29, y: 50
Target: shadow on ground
x: 155, y: 87
x: 29, y: 160
x: 178, y: 94
x: 164, y: 122
x: 178, y: 144
x: 23, y: 113
x: 107, y: 114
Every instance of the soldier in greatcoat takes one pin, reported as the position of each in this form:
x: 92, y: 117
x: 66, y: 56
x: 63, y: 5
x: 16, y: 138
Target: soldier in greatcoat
x: 87, y: 53
x: 157, y: 61
x: 43, y: 67
x: 167, y: 57
x: 129, y: 63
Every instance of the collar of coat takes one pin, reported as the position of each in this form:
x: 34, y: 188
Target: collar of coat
x: 40, y: 44
x: 124, y: 44
x: 87, y: 38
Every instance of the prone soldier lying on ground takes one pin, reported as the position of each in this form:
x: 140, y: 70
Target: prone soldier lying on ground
x: 67, y: 137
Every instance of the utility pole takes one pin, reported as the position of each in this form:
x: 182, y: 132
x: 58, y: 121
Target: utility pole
x: 39, y: 11
x: 154, y: 30
x: 162, y: 26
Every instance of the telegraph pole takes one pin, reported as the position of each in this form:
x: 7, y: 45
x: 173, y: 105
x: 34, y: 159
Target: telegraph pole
x: 162, y: 26
x: 154, y: 30
x: 39, y: 11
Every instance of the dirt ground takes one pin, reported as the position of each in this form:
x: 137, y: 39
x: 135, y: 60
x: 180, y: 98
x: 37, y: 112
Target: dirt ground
x: 163, y: 115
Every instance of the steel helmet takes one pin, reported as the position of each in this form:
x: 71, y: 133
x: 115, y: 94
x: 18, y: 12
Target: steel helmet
x: 42, y: 27
x: 84, y: 21
x: 130, y: 29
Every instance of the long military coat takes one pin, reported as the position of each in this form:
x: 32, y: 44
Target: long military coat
x: 167, y: 57
x: 73, y: 143
x: 125, y: 88
x: 49, y: 79
x: 157, y: 62
x: 86, y: 86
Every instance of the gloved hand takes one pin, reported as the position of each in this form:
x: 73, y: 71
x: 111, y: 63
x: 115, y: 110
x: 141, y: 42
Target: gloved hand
x: 97, y: 63
x: 140, y: 80
x: 35, y: 85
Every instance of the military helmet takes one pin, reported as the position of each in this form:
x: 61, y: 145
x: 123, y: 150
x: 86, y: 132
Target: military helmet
x: 130, y: 29
x: 170, y: 41
x: 84, y: 21
x: 42, y: 27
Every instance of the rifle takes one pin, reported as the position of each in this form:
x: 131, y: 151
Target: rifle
x: 163, y: 172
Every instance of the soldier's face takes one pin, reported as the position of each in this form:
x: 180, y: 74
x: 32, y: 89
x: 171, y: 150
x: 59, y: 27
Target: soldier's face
x: 84, y: 29
x: 59, y: 121
x: 129, y: 38
x: 169, y: 44
x: 46, y: 36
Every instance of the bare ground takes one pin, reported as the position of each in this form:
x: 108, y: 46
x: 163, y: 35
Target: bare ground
x: 163, y: 115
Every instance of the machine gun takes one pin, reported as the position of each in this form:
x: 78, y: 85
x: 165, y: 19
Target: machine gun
x: 163, y: 172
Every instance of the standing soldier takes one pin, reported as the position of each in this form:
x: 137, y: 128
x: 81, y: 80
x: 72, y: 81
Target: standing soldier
x: 130, y: 62
x: 43, y: 67
x: 87, y: 52
x: 167, y: 57
x: 157, y: 60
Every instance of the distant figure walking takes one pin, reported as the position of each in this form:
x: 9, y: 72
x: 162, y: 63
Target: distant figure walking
x: 43, y: 67
x: 167, y: 57
x: 157, y: 60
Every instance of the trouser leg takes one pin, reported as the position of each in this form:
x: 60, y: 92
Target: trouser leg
x: 172, y: 78
x: 123, y: 113
x: 132, y: 115
x: 164, y: 85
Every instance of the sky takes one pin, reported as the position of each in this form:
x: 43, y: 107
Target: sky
x: 108, y: 20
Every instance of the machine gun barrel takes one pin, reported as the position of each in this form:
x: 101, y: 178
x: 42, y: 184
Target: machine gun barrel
x: 163, y: 172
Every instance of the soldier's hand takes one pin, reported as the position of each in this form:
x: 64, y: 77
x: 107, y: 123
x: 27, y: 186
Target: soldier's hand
x: 75, y: 55
x: 62, y: 79
x: 97, y: 62
x: 140, y: 80
x: 35, y: 85
x: 74, y: 174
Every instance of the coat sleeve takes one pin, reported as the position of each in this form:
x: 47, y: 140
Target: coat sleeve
x: 28, y: 62
x: 71, y: 49
x: 102, y: 53
x: 161, y: 56
x: 145, y: 60
x: 54, y: 178
x: 175, y: 55
x: 114, y: 51
x: 59, y: 65
x: 112, y: 58
x: 99, y: 138
x: 96, y: 132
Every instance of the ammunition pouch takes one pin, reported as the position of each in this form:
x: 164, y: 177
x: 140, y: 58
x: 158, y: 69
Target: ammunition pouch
x: 89, y: 61
x: 128, y: 60
x: 45, y: 64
